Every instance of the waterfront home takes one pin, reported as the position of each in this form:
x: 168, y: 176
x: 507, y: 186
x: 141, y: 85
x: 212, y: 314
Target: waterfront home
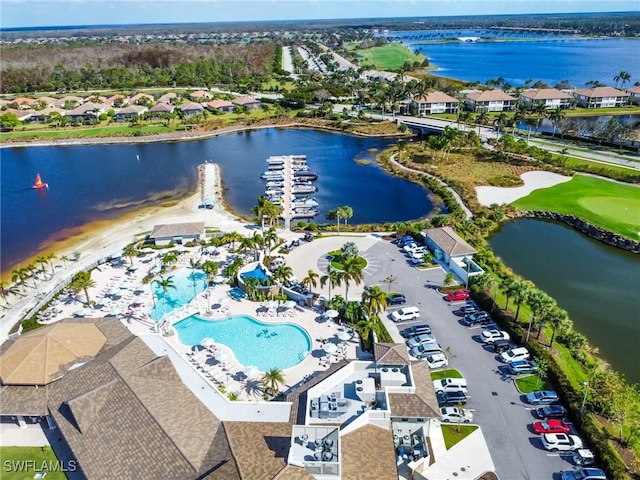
x: 176, y: 233
x: 161, y: 109
x: 129, y: 113
x: 490, y: 101
x: 168, y: 98
x: 249, y: 102
x: 200, y: 96
x: 434, y: 102
x: 453, y: 251
x: 23, y: 115
x: 634, y: 94
x: 550, y: 98
x: 44, y: 116
x: 86, y: 111
x: 140, y: 98
x: 220, y: 105
x: 191, y: 109
x: 601, y: 97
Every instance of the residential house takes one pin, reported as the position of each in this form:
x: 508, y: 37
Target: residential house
x: 551, y: 98
x: 453, y: 251
x: 601, y: 97
x: 434, y: 102
x: 168, y: 98
x: 49, y: 101
x: 23, y: 115
x: 72, y: 100
x: 87, y: 112
x: 25, y: 103
x: 116, y: 101
x: 140, y: 98
x: 129, y: 113
x: 249, y: 102
x: 161, y: 110
x: 490, y: 101
x: 45, y: 115
x: 220, y: 105
x: 200, y: 96
x: 172, y: 233
x: 634, y: 94
x: 191, y: 109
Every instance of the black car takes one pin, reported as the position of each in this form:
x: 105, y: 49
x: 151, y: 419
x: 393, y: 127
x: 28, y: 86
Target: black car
x: 500, y: 346
x: 475, y: 318
x: 396, y: 299
x: 466, y: 310
x: 416, y: 330
x: 451, y: 399
x: 551, y: 411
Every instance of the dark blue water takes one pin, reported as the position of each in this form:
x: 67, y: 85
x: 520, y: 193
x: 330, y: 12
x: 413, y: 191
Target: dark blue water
x: 89, y: 183
x: 551, y: 61
x: 598, y: 285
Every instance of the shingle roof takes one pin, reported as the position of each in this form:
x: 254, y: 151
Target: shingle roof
x: 490, y: 96
x: 599, y: 92
x: 244, y: 101
x: 190, y: 106
x: 436, y: 97
x: 162, y: 107
x: 217, y: 103
x: 545, y: 94
x: 85, y: 108
x: 132, y: 109
x: 200, y: 94
x: 167, y: 97
x: 368, y: 453
x: 177, y: 229
x: 421, y: 404
x: 23, y: 400
x: 449, y: 241
x: 391, y: 354
x: 633, y: 89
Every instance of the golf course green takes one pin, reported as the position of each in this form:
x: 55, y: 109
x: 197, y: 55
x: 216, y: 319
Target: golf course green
x: 607, y: 204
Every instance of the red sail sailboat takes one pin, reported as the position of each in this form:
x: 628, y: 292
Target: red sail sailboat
x: 39, y: 183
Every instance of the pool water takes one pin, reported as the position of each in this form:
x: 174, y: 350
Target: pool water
x: 256, y: 273
x: 188, y: 284
x: 265, y: 346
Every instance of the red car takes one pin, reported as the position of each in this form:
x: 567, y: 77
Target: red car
x: 551, y: 426
x: 457, y: 296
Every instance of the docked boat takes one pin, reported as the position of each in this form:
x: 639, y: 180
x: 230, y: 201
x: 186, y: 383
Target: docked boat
x: 304, y: 189
x: 275, y: 183
x: 304, y: 203
x: 272, y: 175
x: 304, y: 212
x: 39, y: 183
x: 305, y: 175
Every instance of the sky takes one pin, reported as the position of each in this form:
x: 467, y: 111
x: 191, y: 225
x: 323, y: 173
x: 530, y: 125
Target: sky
x: 32, y: 13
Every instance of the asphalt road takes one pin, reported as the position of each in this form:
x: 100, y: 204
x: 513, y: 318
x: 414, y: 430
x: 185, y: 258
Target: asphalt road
x: 504, y: 417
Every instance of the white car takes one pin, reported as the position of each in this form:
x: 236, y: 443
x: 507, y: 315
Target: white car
x: 436, y: 360
x: 418, y: 252
x: 405, y: 314
x: 490, y: 336
x: 410, y: 248
x: 514, y: 354
x: 455, y: 415
x: 420, y: 339
x: 561, y: 442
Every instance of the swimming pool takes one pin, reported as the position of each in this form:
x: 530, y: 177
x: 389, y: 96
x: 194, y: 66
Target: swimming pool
x: 273, y: 345
x: 188, y: 284
x: 257, y: 272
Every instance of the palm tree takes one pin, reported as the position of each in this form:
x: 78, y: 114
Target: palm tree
x: 272, y: 380
x: 346, y: 212
x: 42, y: 260
x: 520, y: 293
x: 131, y: 251
x: 3, y: 292
x: 282, y: 274
x: 64, y: 259
x: 351, y: 271
x: 374, y: 300
x: 333, y: 279
x: 539, y: 303
x: 165, y: 283
x: 193, y: 264
x: 231, y: 270
x: 556, y: 117
x: 257, y: 243
x: 270, y: 239
x: 20, y: 274
x: 169, y: 258
x: 559, y: 321
x: 311, y: 280
x: 50, y: 258
x: 232, y: 238
x: 210, y: 268
x: 367, y: 326
x: 622, y: 78
x: 82, y: 281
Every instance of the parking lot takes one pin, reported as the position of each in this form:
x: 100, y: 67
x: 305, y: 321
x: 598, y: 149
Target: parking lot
x: 499, y: 409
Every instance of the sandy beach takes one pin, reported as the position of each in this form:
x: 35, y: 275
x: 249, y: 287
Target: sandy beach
x: 487, y: 196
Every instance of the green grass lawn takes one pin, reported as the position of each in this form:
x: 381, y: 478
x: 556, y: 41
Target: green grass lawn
x: 337, y: 263
x: 389, y: 57
x: 606, y: 204
x: 455, y: 433
x: 450, y: 373
x: 10, y: 457
x: 531, y: 383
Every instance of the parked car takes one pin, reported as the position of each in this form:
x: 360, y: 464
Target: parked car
x: 396, y: 299
x: 551, y: 426
x: 457, y: 296
x: 466, y: 310
x: 425, y: 349
x: 420, y: 339
x: 451, y: 399
x: 455, y: 414
x: 418, y: 253
x: 515, y: 354
x: 500, y: 346
x: 561, y: 442
x: 551, y: 411
x: 436, y: 360
x: 478, y: 317
x: 415, y: 330
x: 583, y: 457
x: 542, y: 397
x: 403, y: 239
x: 520, y: 367
x: 405, y: 314
x: 583, y: 474
x: 449, y: 384
x: 410, y: 247
x: 490, y: 336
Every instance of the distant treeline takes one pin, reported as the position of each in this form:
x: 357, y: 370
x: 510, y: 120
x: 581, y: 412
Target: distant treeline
x: 61, y: 67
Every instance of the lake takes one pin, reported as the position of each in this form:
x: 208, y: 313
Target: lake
x: 549, y: 60
x: 597, y: 284
x: 101, y: 182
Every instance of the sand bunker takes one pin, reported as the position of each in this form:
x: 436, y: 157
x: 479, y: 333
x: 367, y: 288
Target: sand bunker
x: 532, y: 181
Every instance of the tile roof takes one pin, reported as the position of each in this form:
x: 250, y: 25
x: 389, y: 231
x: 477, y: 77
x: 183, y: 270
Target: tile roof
x: 167, y: 97
x: 191, y: 106
x: 421, y: 404
x: 85, y: 108
x: 633, y: 89
x: 436, y: 97
x: 132, y: 109
x: 244, y: 101
x: 391, y: 354
x: 545, y: 94
x: 47, y: 100
x: 139, y: 96
x: 200, y: 94
x: 217, y: 103
x: 162, y: 107
x: 599, y: 92
x: 449, y: 241
x: 24, y: 100
x: 490, y: 96
x: 177, y: 229
x: 368, y: 453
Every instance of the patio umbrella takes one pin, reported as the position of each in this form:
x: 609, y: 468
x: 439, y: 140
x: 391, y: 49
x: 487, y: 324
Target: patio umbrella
x: 251, y: 370
x: 330, y: 348
x: 221, y: 356
x: 344, y: 335
x: 289, y: 304
x: 207, y: 342
x: 147, y: 250
x: 218, y: 279
x: 271, y: 304
x: 82, y: 312
x: 332, y: 313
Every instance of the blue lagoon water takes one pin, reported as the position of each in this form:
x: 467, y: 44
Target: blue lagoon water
x: 188, y: 284
x: 103, y: 182
x: 264, y: 345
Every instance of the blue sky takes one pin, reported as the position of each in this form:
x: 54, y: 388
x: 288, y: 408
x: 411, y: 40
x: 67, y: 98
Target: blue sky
x: 27, y: 13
